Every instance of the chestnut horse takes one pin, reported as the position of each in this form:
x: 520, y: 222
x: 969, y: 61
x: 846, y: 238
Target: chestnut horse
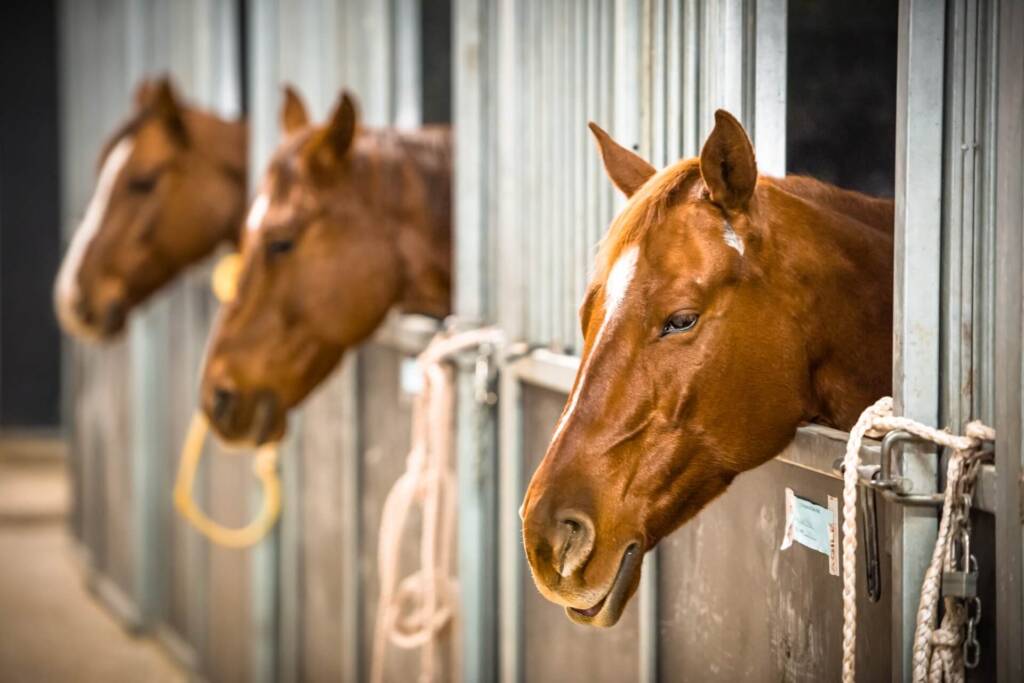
x: 347, y: 223
x: 727, y: 309
x: 171, y: 188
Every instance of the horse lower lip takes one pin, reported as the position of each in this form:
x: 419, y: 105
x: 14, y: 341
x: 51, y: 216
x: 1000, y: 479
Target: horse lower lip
x: 263, y: 417
x: 615, y: 592
x: 592, y: 611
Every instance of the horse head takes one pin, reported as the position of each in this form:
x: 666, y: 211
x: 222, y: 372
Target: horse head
x: 347, y: 223
x: 726, y: 309
x: 171, y: 187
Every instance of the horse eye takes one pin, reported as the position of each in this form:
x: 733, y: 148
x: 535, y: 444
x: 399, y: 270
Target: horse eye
x: 679, y: 322
x: 142, y: 185
x: 282, y: 246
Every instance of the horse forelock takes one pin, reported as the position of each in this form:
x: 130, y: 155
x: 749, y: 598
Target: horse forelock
x: 644, y: 211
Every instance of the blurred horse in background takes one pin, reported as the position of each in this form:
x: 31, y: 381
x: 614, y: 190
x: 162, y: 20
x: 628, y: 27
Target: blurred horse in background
x: 171, y: 187
x: 348, y: 222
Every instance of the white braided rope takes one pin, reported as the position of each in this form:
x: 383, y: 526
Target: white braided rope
x: 944, y: 642
x: 415, y: 611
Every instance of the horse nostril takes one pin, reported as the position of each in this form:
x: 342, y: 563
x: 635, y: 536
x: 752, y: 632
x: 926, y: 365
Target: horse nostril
x: 573, y: 542
x: 113, y: 318
x: 82, y: 310
x: 223, y: 402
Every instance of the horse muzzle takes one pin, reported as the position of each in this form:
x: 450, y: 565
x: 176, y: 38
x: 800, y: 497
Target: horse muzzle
x: 244, y: 418
x: 570, y: 568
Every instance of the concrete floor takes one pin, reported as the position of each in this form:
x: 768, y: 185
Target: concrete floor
x: 51, y: 629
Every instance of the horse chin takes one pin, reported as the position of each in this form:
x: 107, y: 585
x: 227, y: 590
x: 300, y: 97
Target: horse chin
x: 607, y: 611
x: 269, y: 421
x: 266, y: 424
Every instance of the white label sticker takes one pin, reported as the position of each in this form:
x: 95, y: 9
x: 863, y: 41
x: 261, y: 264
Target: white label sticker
x: 411, y: 377
x: 813, y: 526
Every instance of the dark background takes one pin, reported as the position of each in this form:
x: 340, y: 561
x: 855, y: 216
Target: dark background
x: 30, y: 242
x: 841, y: 85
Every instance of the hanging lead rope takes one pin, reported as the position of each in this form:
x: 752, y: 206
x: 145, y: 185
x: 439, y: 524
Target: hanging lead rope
x: 938, y: 651
x: 413, y: 611
x: 265, y: 468
x: 224, y: 283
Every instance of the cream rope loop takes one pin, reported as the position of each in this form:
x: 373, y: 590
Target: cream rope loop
x: 224, y: 279
x: 937, y: 653
x: 264, y: 467
x: 224, y: 283
x: 414, y: 611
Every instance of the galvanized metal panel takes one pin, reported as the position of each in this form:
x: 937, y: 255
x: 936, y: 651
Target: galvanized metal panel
x: 330, y: 646
x: 738, y: 608
x: 917, y: 286
x: 1009, y: 330
x: 554, y: 648
x: 968, y: 313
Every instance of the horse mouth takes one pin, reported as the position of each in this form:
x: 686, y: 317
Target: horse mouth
x: 254, y: 421
x: 607, y: 611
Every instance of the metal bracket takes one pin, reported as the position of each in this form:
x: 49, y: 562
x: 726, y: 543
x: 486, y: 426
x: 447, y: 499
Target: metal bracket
x: 872, y: 565
x: 887, y: 480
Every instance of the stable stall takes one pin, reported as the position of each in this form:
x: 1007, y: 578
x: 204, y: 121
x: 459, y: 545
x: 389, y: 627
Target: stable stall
x: 719, y: 599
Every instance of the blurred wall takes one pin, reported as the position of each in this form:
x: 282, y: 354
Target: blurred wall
x: 29, y: 215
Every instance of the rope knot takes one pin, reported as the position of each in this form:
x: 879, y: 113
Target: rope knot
x: 937, y: 650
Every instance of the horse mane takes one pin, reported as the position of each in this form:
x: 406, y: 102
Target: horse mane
x: 647, y: 207
x: 645, y: 210
x: 230, y: 137
x: 129, y: 127
x: 388, y: 154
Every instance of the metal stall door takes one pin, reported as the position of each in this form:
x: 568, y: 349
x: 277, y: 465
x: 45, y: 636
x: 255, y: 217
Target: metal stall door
x: 350, y: 439
x: 532, y: 202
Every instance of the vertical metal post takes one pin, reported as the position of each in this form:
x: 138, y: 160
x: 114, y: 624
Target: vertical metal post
x: 916, y: 387
x: 474, y: 425
x: 769, y: 123
x: 406, y: 97
x: 148, y: 333
x: 264, y: 558
x: 1009, y: 402
x: 511, y: 554
x: 352, y: 552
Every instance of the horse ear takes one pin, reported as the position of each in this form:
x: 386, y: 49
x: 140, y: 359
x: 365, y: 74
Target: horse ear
x: 341, y: 129
x: 293, y: 111
x: 727, y: 163
x: 164, y: 104
x: 627, y: 170
x: 143, y: 93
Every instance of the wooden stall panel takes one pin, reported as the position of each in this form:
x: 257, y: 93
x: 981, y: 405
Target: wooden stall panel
x: 556, y: 649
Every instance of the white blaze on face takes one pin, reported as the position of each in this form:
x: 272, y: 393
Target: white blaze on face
x: 257, y: 213
x: 615, y: 289
x: 732, y: 239
x: 67, y: 288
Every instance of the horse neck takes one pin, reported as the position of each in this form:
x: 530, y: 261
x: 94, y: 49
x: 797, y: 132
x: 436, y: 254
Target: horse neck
x: 835, y: 252
x: 409, y: 181
x: 226, y: 144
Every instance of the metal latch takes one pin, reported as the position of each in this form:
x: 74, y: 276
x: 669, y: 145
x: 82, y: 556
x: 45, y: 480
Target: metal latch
x: 887, y: 479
